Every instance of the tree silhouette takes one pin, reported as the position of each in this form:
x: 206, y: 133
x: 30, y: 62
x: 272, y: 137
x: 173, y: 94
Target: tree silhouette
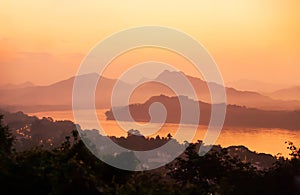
x: 71, y: 168
x: 6, y: 139
x: 216, y: 172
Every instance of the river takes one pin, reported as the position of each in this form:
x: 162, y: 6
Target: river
x: 271, y: 141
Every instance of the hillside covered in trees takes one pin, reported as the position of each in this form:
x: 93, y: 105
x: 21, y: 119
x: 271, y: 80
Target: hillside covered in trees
x: 70, y: 168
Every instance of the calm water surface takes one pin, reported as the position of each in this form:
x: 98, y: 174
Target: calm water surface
x: 270, y: 141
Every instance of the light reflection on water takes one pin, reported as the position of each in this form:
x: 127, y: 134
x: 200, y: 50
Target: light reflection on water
x: 270, y: 141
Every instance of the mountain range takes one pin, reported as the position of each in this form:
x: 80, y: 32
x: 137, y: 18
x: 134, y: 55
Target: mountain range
x: 292, y: 93
x: 58, y: 96
x: 18, y: 86
x: 236, y: 116
x: 254, y: 85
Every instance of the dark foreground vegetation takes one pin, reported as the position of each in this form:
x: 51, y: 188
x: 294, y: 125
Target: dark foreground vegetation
x: 70, y: 168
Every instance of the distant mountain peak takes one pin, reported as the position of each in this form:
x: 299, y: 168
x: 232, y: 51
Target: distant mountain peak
x: 17, y: 86
x: 168, y: 73
x: 90, y: 75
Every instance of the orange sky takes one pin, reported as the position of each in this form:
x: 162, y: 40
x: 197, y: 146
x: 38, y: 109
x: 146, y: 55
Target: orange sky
x: 44, y: 41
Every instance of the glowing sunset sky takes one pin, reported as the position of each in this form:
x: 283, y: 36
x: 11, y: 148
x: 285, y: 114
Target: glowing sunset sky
x: 44, y: 41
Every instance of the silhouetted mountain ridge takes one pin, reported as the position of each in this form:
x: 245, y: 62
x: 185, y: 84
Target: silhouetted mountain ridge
x: 58, y: 96
x: 17, y: 86
x: 236, y: 116
x: 292, y: 93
